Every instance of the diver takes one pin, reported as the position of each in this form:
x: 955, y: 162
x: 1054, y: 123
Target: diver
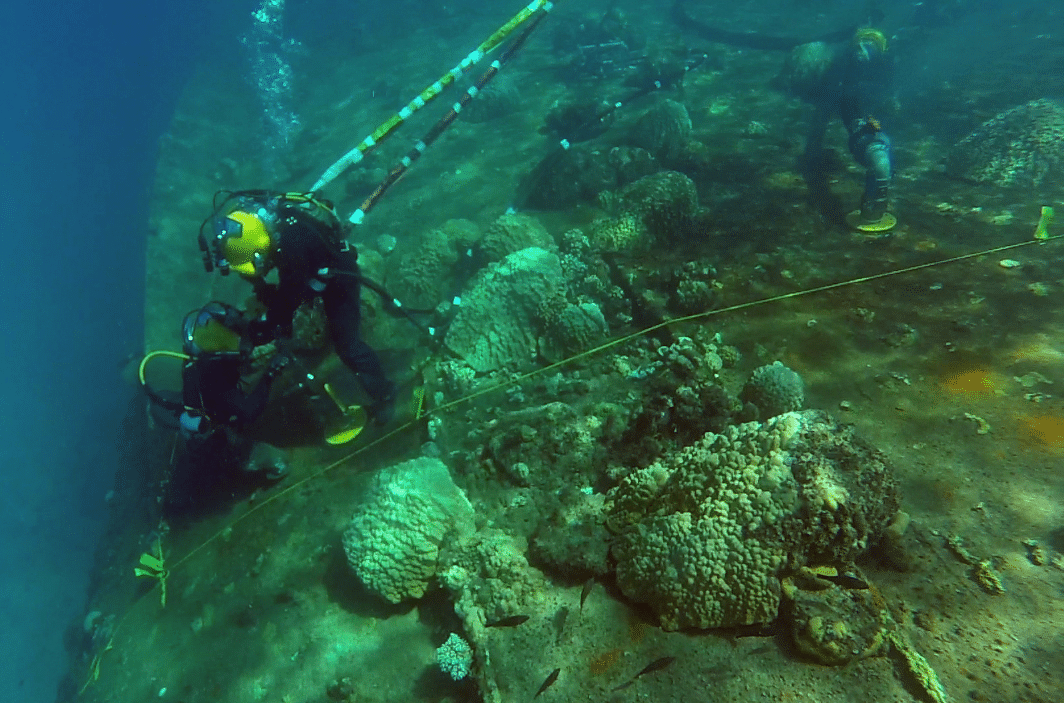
x: 857, y: 86
x: 216, y: 409
x: 301, y: 238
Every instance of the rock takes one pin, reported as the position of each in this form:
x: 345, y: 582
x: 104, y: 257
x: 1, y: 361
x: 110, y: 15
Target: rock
x: 1022, y: 147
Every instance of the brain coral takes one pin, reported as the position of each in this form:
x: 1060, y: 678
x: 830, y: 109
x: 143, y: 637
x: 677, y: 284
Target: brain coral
x: 1021, y: 146
x: 393, y: 540
x: 499, y: 322
x: 703, y: 535
x: 512, y: 232
x: 774, y: 389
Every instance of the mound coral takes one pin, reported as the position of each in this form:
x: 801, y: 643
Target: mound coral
x: 393, y: 540
x: 703, y: 535
x: 1023, y: 146
x: 500, y: 320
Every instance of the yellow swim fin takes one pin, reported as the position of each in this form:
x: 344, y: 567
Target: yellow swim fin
x: 884, y: 224
x: 350, y: 424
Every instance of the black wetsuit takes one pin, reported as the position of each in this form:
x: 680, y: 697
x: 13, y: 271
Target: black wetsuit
x: 311, y: 262
x: 865, y: 87
x: 211, y: 386
x: 212, y: 417
x: 856, y: 88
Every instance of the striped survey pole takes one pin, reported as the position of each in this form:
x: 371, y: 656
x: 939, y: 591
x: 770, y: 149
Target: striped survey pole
x: 433, y: 134
x: 430, y: 93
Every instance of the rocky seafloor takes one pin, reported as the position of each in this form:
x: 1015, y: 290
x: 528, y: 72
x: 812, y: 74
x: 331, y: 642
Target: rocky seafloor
x: 621, y: 475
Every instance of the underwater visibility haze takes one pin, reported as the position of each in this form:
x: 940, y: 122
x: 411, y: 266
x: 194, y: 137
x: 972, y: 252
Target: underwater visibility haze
x: 607, y: 350
x: 88, y: 89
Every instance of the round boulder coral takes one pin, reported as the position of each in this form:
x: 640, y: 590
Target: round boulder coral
x: 703, y: 535
x: 393, y: 540
x: 501, y: 317
x: 804, y: 69
x: 514, y: 231
x: 1023, y: 147
x: 625, y: 233
x: 774, y: 389
x: 666, y: 202
x: 663, y: 127
x: 576, y: 329
x: 427, y: 271
x: 500, y: 98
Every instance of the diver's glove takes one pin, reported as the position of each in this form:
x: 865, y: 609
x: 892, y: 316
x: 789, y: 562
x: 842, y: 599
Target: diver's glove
x: 278, y: 363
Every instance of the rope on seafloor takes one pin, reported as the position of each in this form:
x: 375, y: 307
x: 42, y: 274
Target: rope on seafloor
x: 1041, y: 237
x: 433, y: 134
x: 431, y: 92
x: 602, y: 347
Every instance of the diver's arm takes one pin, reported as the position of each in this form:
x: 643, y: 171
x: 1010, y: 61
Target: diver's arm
x: 297, y: 262
x: 246, y: 408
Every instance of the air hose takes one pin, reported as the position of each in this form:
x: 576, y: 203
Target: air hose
x: 152, y: 395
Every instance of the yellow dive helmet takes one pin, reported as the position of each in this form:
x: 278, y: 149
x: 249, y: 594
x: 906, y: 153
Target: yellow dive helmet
x: 242, y: 243
x: 209, y: 330
x: 870, y: 42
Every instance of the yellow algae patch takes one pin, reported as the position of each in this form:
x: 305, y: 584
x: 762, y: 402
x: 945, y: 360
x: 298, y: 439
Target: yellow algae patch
x: 1047, y: 429
x: 637, y: 629
x: 1040, y: 349
x: 974, y: 382
x: 602, y: 663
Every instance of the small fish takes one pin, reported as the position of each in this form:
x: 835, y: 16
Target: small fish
x: 656, y: 665
x: 551, y: 678
x: 846, y: 581
x: 560, y: 618
x: 511, y: 621
x: 589, y: 585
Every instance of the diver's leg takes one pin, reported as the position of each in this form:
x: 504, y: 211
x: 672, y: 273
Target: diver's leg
x: 343, y: 310
x: 872, y: 149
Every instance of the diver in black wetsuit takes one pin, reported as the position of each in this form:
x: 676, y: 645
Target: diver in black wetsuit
x: 301, y: 237
x: 857, y: 87
x: 867, y: 88
x: 217, y: 410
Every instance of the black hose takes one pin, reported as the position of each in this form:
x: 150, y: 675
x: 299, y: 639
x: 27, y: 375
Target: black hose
x: 751, y: 40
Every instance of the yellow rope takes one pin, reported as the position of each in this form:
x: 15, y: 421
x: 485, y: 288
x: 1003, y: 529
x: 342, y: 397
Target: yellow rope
x: 95, y: 668
x: 607, y: 345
